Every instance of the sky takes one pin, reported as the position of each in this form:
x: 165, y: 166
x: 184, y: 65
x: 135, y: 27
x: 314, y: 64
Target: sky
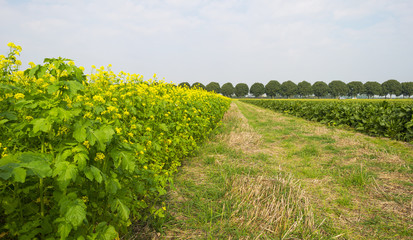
x: 237, y: 41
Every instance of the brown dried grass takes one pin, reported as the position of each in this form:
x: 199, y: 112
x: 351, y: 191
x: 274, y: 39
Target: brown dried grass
x: 272, y: 206
x: 242, y: 135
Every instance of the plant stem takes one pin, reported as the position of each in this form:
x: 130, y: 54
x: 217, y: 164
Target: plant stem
x: 41, y: 198
x: 41, y: 186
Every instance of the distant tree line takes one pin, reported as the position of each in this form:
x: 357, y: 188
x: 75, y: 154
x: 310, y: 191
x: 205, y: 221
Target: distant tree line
x: 304, y: 89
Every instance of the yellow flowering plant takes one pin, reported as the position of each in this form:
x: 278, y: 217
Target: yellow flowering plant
x: 85, y: 155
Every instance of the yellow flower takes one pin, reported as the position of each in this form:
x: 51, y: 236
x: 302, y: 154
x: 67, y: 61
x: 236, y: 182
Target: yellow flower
x: 98, y: 98
x: 19, y: 96
x: 71, y: 63
x: 99, y: 156
x: 130, y: 134
x: 82, y: 68
x: 28, y: 118
x: 118, y: 130
x: 112, y: 109
x: 148, y: 129
x: 86, y: 144
x: 145, y: 167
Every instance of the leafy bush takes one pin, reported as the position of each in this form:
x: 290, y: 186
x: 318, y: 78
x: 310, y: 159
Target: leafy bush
x: 378, y: 118
x: 84, y: 156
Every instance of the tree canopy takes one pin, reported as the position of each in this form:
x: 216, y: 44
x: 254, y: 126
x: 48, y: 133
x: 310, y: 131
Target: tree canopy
x: 272, y: 88
x: 184, y: 84
x: 198, y: 85
x: 241, y: 89
x: 355, y: 88
x: 288, y: 89
x: 338, y: 88
x: 227, y: 89
x: 391, y: 87
x: 304, y: 89
x: 372, y: 88
x: 320, y: 89
x: 257, y: 89
x: 407, y: 89
x: 213, y: 87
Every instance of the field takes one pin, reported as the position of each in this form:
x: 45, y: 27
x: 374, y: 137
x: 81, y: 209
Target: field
x: 267, y: 175
x: 113, y: 156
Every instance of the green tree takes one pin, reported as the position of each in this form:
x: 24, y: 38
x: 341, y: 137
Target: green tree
x: 407, y: 89
x: 241, y: 89
x: 372, y: 88
x: 227, y: 89
x: 184, y: 84
x: 338, y: 88
x: 392, y: 87
x: 257, y: 89
x: 272, y: 88
x: 213, y: 87
x: 355, y: 88
x: 304, y: 89
x: 288, y: 89
x: 320, y: 89
x: 198, y: 85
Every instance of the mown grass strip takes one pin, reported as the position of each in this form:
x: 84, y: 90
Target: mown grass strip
x: 232, y: 190
x: 356, y: 181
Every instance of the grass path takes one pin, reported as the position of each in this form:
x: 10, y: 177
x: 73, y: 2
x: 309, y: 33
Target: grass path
x: 270, y: 176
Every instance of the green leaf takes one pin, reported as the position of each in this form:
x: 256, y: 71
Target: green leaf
x: 102, y: 136
x: 19, y: 174
x: 63, y: 155
x: 41, y: 124
x: 163, y: 127
x: 81, y: 160
x: 33, y: 71
x: 88, y: 173
x: 80, y: 132
x: 74, y: 86
x: 51, y: 89
x: 93, y: 172
x: 64, y: 229
x: 121, y: 208
x: 112, y: 185
x: 36, y: 163
x: 76, y: 213
x: 66, y: 172
x: 124, y: 159
x: 97, y: 174
x: 9, y: 115
x: 106, y: 232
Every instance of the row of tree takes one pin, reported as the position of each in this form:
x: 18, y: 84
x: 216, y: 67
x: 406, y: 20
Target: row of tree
x: 304, y: 89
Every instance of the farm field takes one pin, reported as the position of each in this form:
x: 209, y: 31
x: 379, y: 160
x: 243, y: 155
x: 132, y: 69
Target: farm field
x: 267, y: 175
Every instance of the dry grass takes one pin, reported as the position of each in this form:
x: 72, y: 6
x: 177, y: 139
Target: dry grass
x: 241, y: 136
x: 271, y: 206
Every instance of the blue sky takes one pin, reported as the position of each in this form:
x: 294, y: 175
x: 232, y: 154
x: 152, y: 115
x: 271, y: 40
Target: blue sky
x: 236, y: 41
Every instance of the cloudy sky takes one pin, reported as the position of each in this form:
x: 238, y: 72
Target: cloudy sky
x: 238, y: 41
